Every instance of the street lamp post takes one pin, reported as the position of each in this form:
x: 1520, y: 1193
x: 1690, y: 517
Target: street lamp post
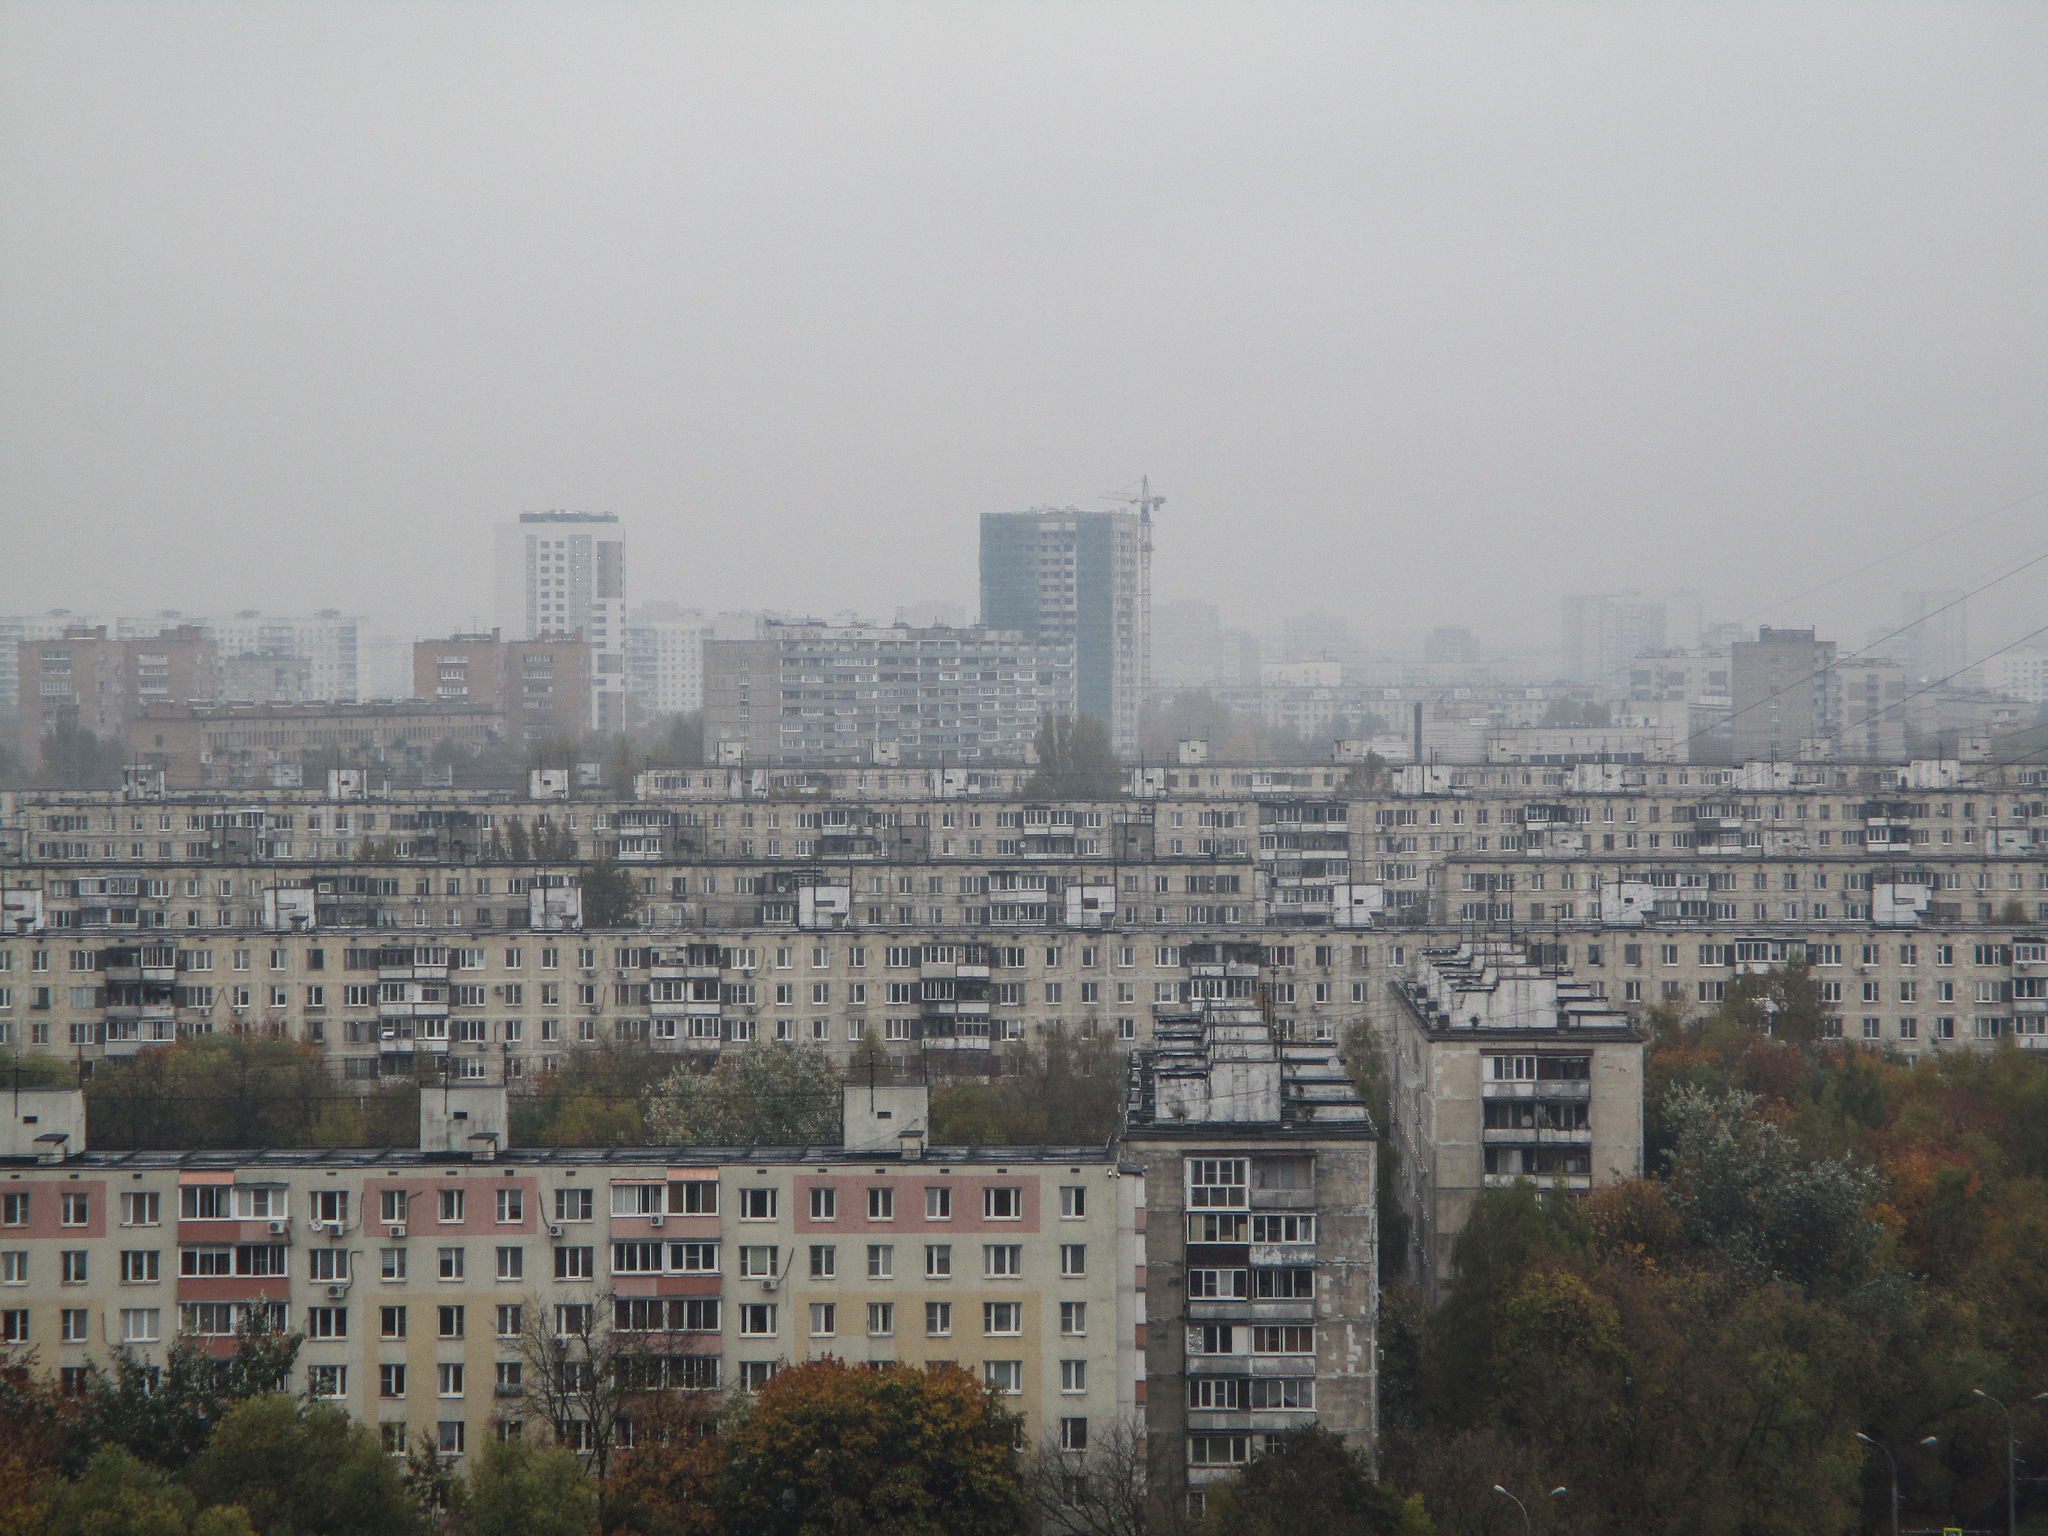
x: 1527, y: 1528
x: 2012, y: 1519
x: 1893, y: 1461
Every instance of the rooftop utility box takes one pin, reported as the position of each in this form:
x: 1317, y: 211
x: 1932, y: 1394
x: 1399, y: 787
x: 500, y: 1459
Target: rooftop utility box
x: 45, y: 1123
x: 884, y: 1118
x: 475, y: 1118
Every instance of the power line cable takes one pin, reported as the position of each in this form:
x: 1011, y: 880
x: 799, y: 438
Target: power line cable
x: 1885, y: 639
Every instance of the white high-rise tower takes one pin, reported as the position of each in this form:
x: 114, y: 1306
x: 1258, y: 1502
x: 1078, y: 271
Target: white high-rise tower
x: 564, y: 573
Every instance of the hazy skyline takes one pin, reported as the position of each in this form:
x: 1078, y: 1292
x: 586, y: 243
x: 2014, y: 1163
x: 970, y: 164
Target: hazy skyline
x: 1419, y: 315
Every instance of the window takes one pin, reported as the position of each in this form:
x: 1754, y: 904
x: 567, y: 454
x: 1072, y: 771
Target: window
x: 1003, y: 1204
x: 14, y: 1211
x: 327, y: 1381
x: 1003, y: 1261
x: 1283, y: 1340
x: 693, y: 1258
x: 1073, y: 1202
x: 1073, y: 1434
x: 139, y: 1266
x: 938, y: 1203
x: 327, y: 1322
x: 757, y: 1205
x: 756, y: 1374
x: 881, y: 1319
x: 450, y: 1322
x: 938, y: 1319
x: 1004, y: 1376
x: 757, y: 1319
x: 824, y: 1319
x: 511, y: 1320
x: 575, y: 1263
x: 938, y: 1261
x: 824, y: 1204
x: 450, y: 1432
x: 141, y: 1325
x: 75, y: 1210
x: 573, y: 1205
x: 1073, y: 1318
x: 451, y: 1263
x: 1002, y: 1317
x: 757, y: 1263
x: 74, y: 1265
x: 14, y: 1326
x: 1073, y: 1259
x: 141, y: 1209
x: 511, y: 1205
x: 454, y: 1204
x: 448, y: 1380
x: 511, y: 1263
x: 881, y: 1261
x: 881, y: 1203
x: 392, y: 1262
x: 391, y: 1322
x: 391, y: 1381
x: 824, y: 1261
x: 14, y: 1268
x: 1218, y: 1183
x: 1073, y: 1375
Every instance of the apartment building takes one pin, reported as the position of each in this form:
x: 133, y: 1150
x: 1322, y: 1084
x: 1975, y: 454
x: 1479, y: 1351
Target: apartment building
x: 542, y: 688
x: 1261, y: 1283
x: 1070, y: 581
x: 830, y: 881
x: 563, y: 574
x: 255, y: 747
x: 324, y: 649
x: 847, y: 695
x: 665, y: 663
x: 1604, y: 631
x: 84, y: 681
x: 421, y: 1278
x: 1505, y: 1066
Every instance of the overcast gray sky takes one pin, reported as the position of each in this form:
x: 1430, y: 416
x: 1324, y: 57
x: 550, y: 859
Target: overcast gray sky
x: 1420, y: 313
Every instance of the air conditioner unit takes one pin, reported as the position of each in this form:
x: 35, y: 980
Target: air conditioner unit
x: 336, y: 1292
x: 768, y: 1284
x: 397, y: 1229
x: 654, y: 1220
x: 316, y: 1226
x: 277, y: 1229
x: 553, y: 1230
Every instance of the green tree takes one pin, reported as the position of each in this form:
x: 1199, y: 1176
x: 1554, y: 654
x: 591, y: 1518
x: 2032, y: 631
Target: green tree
x: 167, y: 1415
x: 304, y: 1469
x: 611, y: 896
x: 831, y: 1449
x: 1744, y: 1193
x: 1074, y: 761
x: 1066, y: 1089
x: 781, y: 1094
x: 521, y: 1490
x: 682, y: 743
x: 518, y: 847
x: 1311, y: 1480
x: 119, y: 1495
x: 1366, y: 1060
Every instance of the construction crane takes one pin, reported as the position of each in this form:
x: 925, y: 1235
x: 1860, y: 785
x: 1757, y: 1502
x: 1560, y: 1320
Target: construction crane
x: 1145, y: 502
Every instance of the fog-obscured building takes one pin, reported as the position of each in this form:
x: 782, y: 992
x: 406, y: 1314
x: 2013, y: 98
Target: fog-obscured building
x: 560, y: 574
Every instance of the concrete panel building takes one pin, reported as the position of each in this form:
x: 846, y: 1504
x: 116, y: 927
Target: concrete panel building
x: 542, y: 687
x: 1261, y: 1242
x: 416, y: 1275
x: 1069, y: 581
x: 563, y: 574
x: 1505, y: 1068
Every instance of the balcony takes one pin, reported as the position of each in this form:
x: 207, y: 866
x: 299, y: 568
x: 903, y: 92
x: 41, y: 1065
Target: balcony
x: 158, y: 975
x: 1534, y: 1136
x: 1562, y: 1089
x: 128, y: 1012
x: 1264, y: 1255
x: 412, y: 973
x: 684, y: 973
x: 1283, y: 1199
x: 1540, y: 1180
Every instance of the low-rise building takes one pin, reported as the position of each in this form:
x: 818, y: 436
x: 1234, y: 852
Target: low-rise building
x: 424, y: 1279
